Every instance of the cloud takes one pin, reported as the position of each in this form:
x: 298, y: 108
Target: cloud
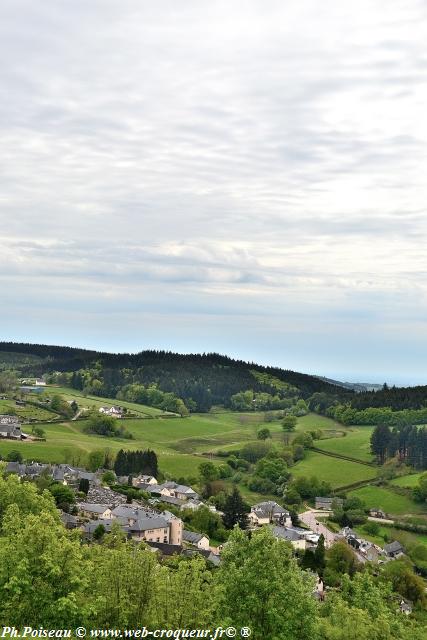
x: 215, y: 159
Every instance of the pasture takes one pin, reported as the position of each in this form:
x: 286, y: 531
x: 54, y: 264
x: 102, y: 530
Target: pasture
x: 390, y: 502
x: 333, y: 470
x: 27, y: 412
x: 354, y: 443
x: 90, y: 402
x: 407, y: 481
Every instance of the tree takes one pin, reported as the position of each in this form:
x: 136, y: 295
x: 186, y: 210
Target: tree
x: 99, y: 532
x: 340, y: 560
x: 319, y: 555
x: 263, y: 434
x: 38, y: 432
x: 95, y: 459
x: 235, y: 511
x: 289, y: 423
x: 208, y: 471
x: 263, y: 588
x: 63, y: 495
x: 14, y: 456
x: 84, y: 485
x: 109, y: 478
x: 380, y: 439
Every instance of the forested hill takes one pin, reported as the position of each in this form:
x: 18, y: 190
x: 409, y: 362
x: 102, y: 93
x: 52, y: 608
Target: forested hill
x: 397, y: 398
x: 201, y: 380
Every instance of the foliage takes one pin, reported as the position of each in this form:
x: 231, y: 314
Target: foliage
x: 262, y: 588
x: 235, y: 510
x: 136, y: 462
x: 103, y: 425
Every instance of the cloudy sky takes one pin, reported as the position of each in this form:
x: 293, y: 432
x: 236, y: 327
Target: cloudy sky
x: 245, y: 177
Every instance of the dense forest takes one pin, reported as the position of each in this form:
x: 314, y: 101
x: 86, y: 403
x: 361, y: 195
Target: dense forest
x: 199, y: 380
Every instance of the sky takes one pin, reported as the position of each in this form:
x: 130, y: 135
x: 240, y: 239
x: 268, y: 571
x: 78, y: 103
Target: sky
x: 242, y: 177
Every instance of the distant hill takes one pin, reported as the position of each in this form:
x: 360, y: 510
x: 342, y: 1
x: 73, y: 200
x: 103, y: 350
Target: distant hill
x: 359, y: 387
x: 201, y: 380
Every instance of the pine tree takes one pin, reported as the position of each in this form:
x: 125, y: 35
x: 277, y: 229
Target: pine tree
x: 235, y: 511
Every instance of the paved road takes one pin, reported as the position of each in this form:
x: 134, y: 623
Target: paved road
x: 310, y: 519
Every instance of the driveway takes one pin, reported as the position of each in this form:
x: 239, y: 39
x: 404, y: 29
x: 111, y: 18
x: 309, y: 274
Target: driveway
x: 310, y: 518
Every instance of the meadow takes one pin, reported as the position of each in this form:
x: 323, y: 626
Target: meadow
x: 392, y: 503
x: 183, y: 443
x: 337, y: 472
x: 407, y: 481
x: 355, y: 442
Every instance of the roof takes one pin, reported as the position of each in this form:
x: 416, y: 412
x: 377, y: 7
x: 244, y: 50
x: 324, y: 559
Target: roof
x: 271, y: 506
x: 94, y: 508
x: 393, y: 547
x: 148, y: 521
x: 165, y: 548
x: 286, y: 534
x: 193, y: 536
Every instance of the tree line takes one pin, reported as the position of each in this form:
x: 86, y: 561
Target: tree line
x: 406, y: 442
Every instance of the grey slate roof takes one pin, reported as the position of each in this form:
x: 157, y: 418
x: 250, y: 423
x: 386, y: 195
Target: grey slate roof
x: 286, y: 534
x: 94, y: 508
x: 193, y: 537
x: 394, y: 547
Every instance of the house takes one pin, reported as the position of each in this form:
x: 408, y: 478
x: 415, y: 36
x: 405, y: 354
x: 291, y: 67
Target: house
x: 269, y: 512
x: 214, y: 558
x: 10, y: 427
x: 377, y: 513
x: 114, y: 411
x: 326, y: 503
x: 195, y: 504
x: 144, y: 480
x: 150, y: 527
x: 175, y: 527
x: 40, y: 383
x: 372, y: 553
x: 291, y: 535
x: 99, y: 511
x: 175, y: 502
x: 199, y: 540
x: 175, y: 490
x: 394, y: 549
x: 69, y: 521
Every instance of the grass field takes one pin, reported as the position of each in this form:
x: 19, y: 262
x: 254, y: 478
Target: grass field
x: 355, y: 443
x: 338, y: 472
x: 95, y: 401
x: 390, y: 502
x: 407, y: 481
x: 27, y: 412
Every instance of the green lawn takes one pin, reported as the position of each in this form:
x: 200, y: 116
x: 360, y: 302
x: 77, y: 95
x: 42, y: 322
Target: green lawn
x: 390, y: 502
x: 355, y: 443
x: 407, y: 481
x: 338, y: 472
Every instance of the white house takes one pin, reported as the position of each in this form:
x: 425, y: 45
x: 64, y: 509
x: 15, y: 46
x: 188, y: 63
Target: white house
x: 199, y: 540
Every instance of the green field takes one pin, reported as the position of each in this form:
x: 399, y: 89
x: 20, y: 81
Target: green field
x: 338, y: 472
x: 27, y: 412
x: 407, y: 481
x: 390, y: 502
x: 95, y: 401
x: 355, y: 443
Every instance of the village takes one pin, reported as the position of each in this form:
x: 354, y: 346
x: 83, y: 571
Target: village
x: 163, y: 530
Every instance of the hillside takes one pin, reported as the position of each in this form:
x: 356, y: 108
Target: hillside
x: 199, y: 380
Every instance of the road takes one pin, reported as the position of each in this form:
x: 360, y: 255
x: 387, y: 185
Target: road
x: 310, y: 519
